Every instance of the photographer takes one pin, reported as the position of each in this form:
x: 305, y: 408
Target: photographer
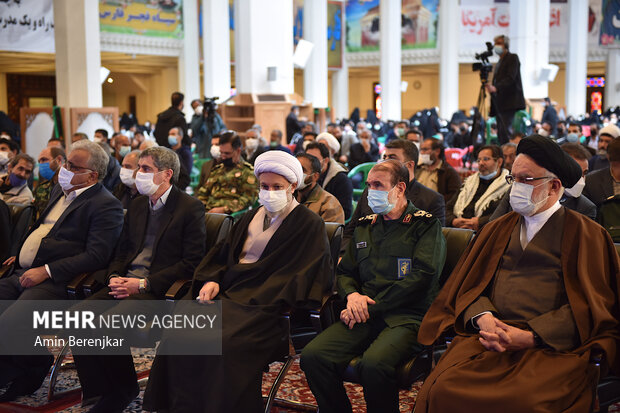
x: 506, y: 89
x: 210, y: 125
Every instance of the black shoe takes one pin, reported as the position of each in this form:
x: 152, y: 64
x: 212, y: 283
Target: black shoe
x: 115, y: 402
x: 28, y: 382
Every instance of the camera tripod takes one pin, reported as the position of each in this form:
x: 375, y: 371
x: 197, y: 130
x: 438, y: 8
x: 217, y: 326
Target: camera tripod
x: 479, y: 123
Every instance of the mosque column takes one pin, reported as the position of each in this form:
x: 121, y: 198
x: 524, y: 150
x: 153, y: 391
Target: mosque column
x: 78, y: 55
x: 216, y: 47
x: 577, y: 57
x: 189, y: 60
x: 390, y: 69
x: 529, y: 39
x: 315, y: 72
x: 340, y: 90
x: 264, y: 45
x: 449, y: 11
x: 612, y: 85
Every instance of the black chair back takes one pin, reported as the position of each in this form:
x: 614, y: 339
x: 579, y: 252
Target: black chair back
x: 21, y: 219
x: 218, y: 227
x: 457, y: 240
x: 335, y: 232
x: 5, y: 231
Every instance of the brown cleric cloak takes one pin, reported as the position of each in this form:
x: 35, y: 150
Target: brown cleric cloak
x: 468, y: 375
x: 295, y: 270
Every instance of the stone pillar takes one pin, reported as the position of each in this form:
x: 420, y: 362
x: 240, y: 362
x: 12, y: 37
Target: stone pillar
x: 264, y: 39
x: 189, y: 60
x: 315, y: 72
x: 390, y: 69
x: 577, y: 57
x: 449, y: 23
x: 612, y: 86
x: 216, y: 48
x: 340, y: 90
x: 529, y: 39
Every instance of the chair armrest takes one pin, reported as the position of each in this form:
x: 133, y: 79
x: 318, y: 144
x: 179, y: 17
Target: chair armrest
x: 75, y: 287
x: 178, y: 290
x: 92, y: 285
x: 5, y: 270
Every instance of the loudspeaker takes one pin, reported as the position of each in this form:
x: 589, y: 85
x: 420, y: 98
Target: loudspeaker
x: 272, y: 73
x: 302, y: 53
x: 548, y: 73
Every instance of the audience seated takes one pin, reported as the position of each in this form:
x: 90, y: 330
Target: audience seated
x: 50, y: 161
x: 276, y: 257
x: 148, y: 260
x: 534, y: 294
x: 298, y: 138
x: 414, y: 135
x: 364, y: 151
x: 253, y: 146
x: 14, y: 184
x: 310, y: 194
x: 420, y: 196
x: 231, y: 186
x: 509, y: 150
x: 180, y: 144
x: 605, y: 136
x: 347, y: 138
x: 481, y: 192
x: 275, y: 142
x: 603, y: 183
x: 434, y: 172
x: 112, y: 175
x: 76, y: 233
x: 389, y: 277
x: 207, y: 166
x: 333, y: 176
x: 572, y: 198
x: 8, y: 150
x: 126, y: 190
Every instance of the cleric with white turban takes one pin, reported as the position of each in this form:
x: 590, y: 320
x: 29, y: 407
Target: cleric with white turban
x: 331, y: 142
x: 281, y: 163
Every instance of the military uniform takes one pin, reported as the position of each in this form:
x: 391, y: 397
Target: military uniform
x: 235, y: 188
x: 42, y: 196
x: 396, y: 263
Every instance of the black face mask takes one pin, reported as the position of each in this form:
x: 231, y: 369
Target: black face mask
x: 463, y: 130
x: 228, y: 162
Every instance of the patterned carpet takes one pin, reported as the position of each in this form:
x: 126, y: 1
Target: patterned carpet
x: 293, y: 389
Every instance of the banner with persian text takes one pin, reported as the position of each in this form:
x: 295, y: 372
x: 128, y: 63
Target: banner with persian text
x: 162, y: 18
x: 27, y: 26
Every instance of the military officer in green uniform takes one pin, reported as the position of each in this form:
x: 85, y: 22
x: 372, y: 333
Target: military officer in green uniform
x: 50, y: 161
x: 389, y: 276
x: 232, y: 185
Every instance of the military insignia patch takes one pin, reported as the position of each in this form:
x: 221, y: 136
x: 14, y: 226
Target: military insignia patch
x: 407, y: 219
x: 404, y: 267
x: 361, y: 245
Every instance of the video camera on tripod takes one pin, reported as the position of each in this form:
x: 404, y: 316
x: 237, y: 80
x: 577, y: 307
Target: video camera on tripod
x: 209, y: 106
x: 484, y: 67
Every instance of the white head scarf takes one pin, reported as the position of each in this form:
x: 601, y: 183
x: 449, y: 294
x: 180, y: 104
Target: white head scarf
x: 330, y: 140
x: 281, y: 163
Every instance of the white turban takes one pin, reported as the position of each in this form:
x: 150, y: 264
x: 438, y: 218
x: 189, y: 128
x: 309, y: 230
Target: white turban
x: 281, y: 163
x: 330, y: 140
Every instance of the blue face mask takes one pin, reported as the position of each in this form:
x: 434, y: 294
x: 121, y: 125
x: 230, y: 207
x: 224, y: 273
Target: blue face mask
x: 45, y: 171
x: 489, y: 176
x: 378, y: 201
x: 16, y: 181
x: 572, y: 137
x: 172, y: 140
x: 124, y: 150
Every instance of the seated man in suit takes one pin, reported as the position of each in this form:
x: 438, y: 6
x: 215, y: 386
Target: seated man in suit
x: 76, y: 233
x: 532, y: 296
x: 163, y: 240
x: 422, y: 197
x: 50, y: 161
x: 389, y: 277
x: 14, y: 185
x: 604, y: 183
x: 311, y: 195
x: 276, y: 257
x: 126, y: 190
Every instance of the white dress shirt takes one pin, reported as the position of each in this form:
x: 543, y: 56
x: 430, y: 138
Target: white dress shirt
x: 161, y: 201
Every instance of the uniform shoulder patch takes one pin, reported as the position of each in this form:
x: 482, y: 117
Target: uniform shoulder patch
x: 368, y: 219
x: 420, y: 214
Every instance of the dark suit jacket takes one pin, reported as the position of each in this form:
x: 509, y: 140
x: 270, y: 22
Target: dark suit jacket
x: 599, y: 186
x: 507, y: 80
x: 84, y: 237
x: 179, y: 244
x: 422, y: 197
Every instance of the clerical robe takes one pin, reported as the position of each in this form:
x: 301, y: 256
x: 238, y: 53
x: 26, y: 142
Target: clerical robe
x: 553, y: 378
x: 293, y: 271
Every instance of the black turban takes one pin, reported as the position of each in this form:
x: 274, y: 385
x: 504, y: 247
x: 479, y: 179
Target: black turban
x: 548, y: 154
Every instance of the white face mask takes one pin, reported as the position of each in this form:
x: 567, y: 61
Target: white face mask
x: 425, y: 159
x: 251, y: 143
x: 417, y: 145
x: 65, y: 177
x: 303, y: 183
x: 576, y: 190
x: 215, y: 151
x: 198, y: 110
x: 274, y: 201
x: 144, y: 183
x: 4, y: 158
x: 521, y: 199
x: 127, y: 178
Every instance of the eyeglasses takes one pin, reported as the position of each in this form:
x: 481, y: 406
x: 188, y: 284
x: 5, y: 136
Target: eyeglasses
x: 523, y: 180
x: 69, y: 166
x: 485, y: 159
